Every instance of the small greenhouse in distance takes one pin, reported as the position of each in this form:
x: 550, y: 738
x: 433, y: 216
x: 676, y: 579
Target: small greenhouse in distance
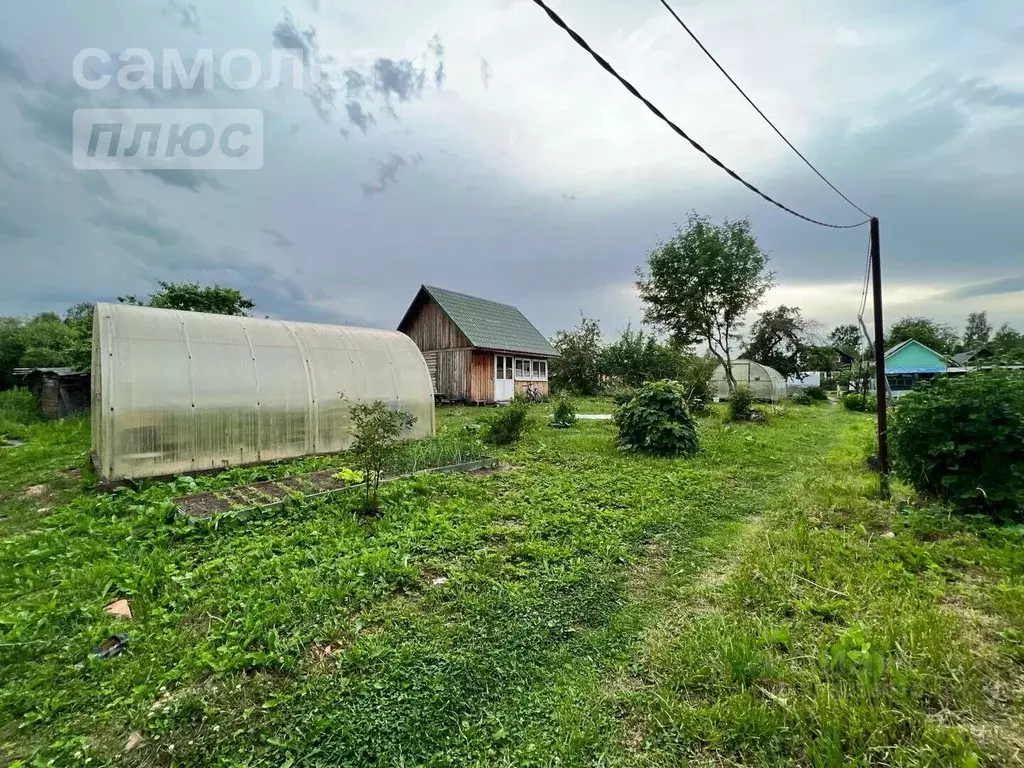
x: 176, y: 392
x: 763, y: 382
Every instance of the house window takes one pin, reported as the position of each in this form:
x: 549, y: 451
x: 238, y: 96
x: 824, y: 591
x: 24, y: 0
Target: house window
x: 902, y: 381
x: 531, y: 370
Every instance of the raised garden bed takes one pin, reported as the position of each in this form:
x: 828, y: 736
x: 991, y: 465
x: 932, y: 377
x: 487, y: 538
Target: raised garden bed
x: 273, y: 493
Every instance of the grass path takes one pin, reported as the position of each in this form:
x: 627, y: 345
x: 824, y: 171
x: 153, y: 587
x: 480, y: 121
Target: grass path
x: 586, y: 608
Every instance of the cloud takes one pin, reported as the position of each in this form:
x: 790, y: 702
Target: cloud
x: 360, y: 119
x: 387, y: 173
x: 50, y: 113
x: 486, y: 73
x: 399, y: 78
x: 990, y: 288
x: 184, y: 178
x: 279, y: 240
x: 384, y: 79
x: 96, y: 184
x: 12, y: 68
x: 137, y: 226
x: 11, y: 231
x: 11, y: 171
x: 977, y: 91
x: 288, y: 36
x: 185, y: 13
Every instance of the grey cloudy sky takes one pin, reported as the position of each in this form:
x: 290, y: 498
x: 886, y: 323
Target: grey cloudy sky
x: 473, y: 146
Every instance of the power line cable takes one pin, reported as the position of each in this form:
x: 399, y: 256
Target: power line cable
x: 757, y: 109
x: 658, y: 113
x: 867, y: 283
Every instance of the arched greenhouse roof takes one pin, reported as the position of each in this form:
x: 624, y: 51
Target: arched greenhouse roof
x: 764, y: 382
x: 176, y: 392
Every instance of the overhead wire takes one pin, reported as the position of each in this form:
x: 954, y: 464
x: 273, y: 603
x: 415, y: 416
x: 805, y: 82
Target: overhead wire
x: 757, y: 109
x: 660, y: 115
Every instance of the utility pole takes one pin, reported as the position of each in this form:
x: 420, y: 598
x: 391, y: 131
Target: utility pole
x: 881, y: 387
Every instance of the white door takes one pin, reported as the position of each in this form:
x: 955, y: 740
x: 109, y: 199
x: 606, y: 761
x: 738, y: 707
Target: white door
x: 504, y: 386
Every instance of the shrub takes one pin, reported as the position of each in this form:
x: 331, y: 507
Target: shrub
x: 565, y: 413
x: 377, y: 430
x: 961, y: 439
x: 741, y: 403
x: 658, y: 421
x: 695, y: 375
x: 860, y: 402
x: 802, y: 397
x: 817, y: 393
x: 509, y: 424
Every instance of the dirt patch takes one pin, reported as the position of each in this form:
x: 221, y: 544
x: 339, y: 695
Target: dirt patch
x: 35, y: 491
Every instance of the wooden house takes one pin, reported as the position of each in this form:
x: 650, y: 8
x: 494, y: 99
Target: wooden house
x: 478, y: 351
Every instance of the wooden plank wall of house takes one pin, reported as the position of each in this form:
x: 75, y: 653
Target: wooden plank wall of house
x: 431, y: 329
x: 540, y: 386
x: 452, y: 373
x: 430, y: 358
x: 482, y: 377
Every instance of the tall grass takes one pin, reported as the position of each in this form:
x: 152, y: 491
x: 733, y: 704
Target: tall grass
x: 450, y: 446
x: 18, y: 409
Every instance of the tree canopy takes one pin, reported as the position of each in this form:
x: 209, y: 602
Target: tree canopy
x: 698, y: 286
x: 577, y: 367
x: 938, y: 336
x: 780, y: 338
x: 977, y: 332
x: 193, y: 297
x: 48, y: 340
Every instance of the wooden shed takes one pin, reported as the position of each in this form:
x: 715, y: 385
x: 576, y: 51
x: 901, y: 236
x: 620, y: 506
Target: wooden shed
x: 477, y: 350
x: 62, y: 392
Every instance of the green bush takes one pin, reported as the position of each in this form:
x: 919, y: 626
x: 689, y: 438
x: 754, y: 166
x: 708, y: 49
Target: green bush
x: 802, y: 397
x: 509, y: 424
x: 860, y: 402
x: 658, y: 421
x: 961, y: 439
x: 18, y: 409
x: 741, y: 404
x: 565, y: 412
x: 817, y: 393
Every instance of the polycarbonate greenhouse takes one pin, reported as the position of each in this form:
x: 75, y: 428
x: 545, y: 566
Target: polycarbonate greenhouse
x: 764, y: 383
x: 177, y: 392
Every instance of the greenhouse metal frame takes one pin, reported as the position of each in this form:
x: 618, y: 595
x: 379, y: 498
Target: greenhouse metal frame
x: 178, y: 392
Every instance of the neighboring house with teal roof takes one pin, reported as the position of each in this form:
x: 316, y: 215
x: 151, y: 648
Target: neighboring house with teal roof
x: 911, y: 362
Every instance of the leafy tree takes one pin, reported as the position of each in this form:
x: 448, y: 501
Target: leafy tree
x: 1008, y: 344
x: 938, y: 336
x: 377, y: 431
x: 845, y: 338
x: 577, y: 369
x: 978, y: 331
x: 699, y: 284
x: 637, y: 357
x: 779, y: 338
x: 46, y: 342
x: 11, y: 348
x: 78, y: 319
x: 192, y: 297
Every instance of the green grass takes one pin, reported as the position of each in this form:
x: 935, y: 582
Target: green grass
x: 586, y: 607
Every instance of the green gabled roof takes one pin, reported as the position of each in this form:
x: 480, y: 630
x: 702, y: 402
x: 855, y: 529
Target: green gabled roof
x: 490, y: 324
